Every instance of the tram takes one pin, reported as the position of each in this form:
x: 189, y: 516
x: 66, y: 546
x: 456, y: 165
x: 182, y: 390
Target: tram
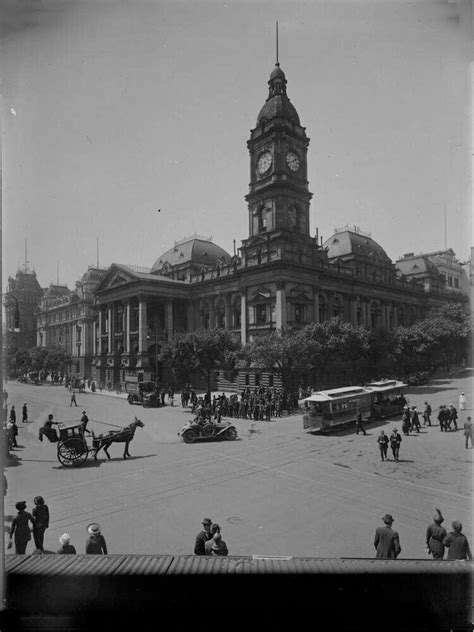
x: 335, y: 407
x: 388, y: 398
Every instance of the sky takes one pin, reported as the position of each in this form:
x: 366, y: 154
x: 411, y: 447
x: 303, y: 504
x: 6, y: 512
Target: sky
x: 113, y: 109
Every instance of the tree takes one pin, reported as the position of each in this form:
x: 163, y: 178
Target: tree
x: 38, y: 357
x: 18, y: 361
x: 282, y: 353
x: 202, y: 351
x: 57, y: 358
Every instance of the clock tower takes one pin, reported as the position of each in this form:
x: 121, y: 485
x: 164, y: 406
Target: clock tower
x: 278, y: 200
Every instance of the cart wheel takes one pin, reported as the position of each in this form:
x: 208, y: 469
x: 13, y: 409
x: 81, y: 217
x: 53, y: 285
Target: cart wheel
x: 189, y: 436
x: 231, y: 434
x: 72, y: 452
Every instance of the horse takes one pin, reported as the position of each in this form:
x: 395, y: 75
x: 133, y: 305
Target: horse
x: 116, y: 436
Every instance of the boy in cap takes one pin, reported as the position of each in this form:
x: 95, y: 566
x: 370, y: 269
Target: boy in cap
x: 457, y: 544
x: 387, y: 542
x: 435, y: 535
x: 202, y: 537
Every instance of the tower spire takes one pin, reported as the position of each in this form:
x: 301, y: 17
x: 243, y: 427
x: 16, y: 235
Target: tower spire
x: 277, y: 60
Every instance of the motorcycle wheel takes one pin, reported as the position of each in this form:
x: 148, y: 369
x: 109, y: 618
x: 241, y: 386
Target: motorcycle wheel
x: 231, y: 434
x: 189, y: 436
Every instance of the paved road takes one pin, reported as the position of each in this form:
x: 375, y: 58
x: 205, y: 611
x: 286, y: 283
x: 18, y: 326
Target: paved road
x: 275, y: 491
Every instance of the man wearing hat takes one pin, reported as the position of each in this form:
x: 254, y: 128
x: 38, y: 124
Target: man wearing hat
x: 406, y: 421
x: 457, y: 544
x: 395, y: 440
x: 40, y: 515
x: 95, y: 544
x: 20, y: 529
x: 387, y: 542
x: 66, y: 546
x: 84, y: 422
x: 202, y: 537
x: 48, y: 430
x: 443, y: 418
x: 452, y: 417
x: 435, y: 535
x: 414, y: 419
x: 427, y: 414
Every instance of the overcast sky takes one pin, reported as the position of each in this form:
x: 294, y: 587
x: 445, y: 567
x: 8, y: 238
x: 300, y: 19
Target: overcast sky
x: 115, y: 109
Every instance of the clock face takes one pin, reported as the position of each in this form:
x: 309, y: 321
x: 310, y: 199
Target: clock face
x: 292, y: 161
x: 264, y: 162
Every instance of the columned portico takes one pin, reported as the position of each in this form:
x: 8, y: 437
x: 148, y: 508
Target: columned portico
x: 316, y: 305
x: 169, y: 318
x: 243, y: 316
x: 280, y: 306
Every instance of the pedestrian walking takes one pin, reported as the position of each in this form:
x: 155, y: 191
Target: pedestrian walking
x: 406, y: 424
x: 457, y: 544
x: 20, y: 528
x: 24, y: 413
x: 13, y: 431
x: 453, y: 416
x: 435, y: 535
x: 442, y: 418
x: 73, y: 399
x: 95, y: 543
x: 387, y: 541
x: 382, y: 440
x: 202, y: 537
x: 13, y: 414
x: 359, y: 425
x: 395, y: 441
x: 216, y: 545
x: 427, y: 415
x: 40, y: 515
x: 84, y: 422
x: 414, y: 419
x: 468, y: 431
x: 462, y: 402
x: 66, y: 547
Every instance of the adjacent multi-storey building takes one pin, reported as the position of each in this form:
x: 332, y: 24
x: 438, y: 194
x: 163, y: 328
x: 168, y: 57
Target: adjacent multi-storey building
x: 20, y: 302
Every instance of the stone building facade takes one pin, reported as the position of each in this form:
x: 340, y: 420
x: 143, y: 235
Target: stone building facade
x: 64, y: 318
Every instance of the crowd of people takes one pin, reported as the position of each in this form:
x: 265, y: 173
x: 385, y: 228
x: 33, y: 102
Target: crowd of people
x: 260, y: 404
x: 447, y: 417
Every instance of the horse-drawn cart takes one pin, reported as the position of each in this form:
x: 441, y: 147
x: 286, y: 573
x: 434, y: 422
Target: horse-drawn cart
x: 73, y: 448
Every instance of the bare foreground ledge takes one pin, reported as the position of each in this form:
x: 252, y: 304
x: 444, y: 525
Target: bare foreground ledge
x: 69, y: 591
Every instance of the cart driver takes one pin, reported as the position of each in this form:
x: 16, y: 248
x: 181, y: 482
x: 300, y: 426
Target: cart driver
x: 48, y: 430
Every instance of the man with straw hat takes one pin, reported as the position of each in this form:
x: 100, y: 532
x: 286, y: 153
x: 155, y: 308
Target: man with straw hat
x: 95, y: 544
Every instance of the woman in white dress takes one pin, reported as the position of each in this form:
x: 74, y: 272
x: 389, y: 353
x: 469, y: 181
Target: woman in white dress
x: 462, y: 402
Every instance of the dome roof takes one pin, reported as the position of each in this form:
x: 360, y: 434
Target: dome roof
x: 278, y: 106
x: 347, y: 242
x: 195, y: 250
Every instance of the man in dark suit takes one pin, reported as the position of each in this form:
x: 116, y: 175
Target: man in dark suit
x: 202, y: 537
x: 387, y: 542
